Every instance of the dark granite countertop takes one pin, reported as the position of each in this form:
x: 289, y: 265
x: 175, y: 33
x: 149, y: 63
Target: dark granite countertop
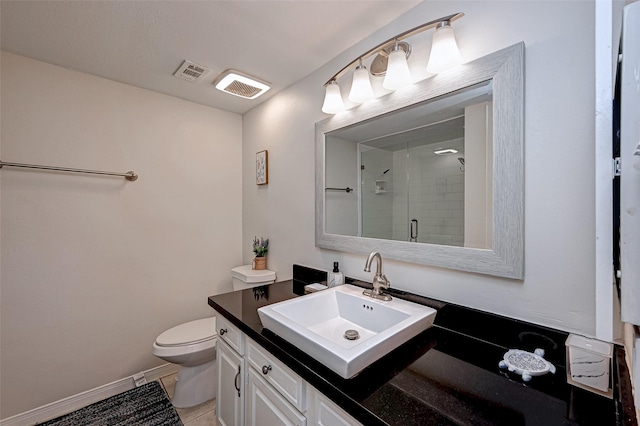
x: 447, y: 375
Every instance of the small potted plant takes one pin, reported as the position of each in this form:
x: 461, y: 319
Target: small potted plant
x: 260, y: 248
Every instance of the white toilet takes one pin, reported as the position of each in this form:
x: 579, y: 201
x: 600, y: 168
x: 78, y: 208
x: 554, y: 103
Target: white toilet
x: 192, y: 346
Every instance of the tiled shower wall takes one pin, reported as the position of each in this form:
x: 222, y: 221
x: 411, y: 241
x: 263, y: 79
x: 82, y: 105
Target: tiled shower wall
x: 378, y: 208
x: 435, y: 192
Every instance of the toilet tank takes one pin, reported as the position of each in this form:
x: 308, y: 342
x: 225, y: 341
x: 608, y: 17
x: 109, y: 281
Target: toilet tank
x: 245, y: 277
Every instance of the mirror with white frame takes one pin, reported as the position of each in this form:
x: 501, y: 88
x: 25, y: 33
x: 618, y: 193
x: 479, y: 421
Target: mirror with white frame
x: 431, y: 173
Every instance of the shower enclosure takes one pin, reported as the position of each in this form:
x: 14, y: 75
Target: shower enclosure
x: 422, y: 175
x: 410, y: 193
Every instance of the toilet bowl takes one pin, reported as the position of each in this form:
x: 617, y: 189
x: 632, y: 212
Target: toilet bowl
x: 192, y: 346
x: 244, y: 277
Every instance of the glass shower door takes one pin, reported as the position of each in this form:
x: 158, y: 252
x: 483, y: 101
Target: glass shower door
x: 435, y: 194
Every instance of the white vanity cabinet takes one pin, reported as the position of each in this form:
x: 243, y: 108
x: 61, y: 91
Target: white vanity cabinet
x: 257, y: 389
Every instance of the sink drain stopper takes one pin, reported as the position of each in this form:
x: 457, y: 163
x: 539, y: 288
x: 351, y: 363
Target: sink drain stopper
x: 351, y: 335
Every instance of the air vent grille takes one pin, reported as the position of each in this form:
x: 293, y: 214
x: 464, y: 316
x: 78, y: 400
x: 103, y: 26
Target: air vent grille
x: 191, y: 72
x: 241, y: 89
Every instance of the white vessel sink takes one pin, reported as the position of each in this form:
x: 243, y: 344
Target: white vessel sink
x: 316, y: 324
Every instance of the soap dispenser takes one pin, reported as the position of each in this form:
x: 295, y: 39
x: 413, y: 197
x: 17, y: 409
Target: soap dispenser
x: 336, y: 277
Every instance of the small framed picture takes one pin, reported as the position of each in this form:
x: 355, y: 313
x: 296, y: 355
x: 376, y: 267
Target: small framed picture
x: 262, y: 168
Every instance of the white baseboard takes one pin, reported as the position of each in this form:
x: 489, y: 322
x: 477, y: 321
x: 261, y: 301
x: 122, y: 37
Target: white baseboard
x: 75, y: 402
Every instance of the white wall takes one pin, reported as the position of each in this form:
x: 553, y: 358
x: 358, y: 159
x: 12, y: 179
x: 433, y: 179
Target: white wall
x: 94, y: 268
x: 559, y: 285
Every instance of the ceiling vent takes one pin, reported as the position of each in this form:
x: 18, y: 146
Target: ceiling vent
x: 191, y: 72
x: 241, y: 84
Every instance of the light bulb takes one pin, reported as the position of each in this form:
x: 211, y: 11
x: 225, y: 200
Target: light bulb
x: 398, y: 74
x: 361, y: 90
x: 444, y: 50
x: 332, y: 99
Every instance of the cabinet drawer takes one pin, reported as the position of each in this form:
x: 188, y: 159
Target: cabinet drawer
x: 230, y: 334
x: 281, y: 377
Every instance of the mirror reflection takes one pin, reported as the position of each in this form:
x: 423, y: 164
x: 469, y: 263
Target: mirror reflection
x: 421, y: 174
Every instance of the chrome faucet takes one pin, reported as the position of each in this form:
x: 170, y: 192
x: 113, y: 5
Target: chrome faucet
x: 380, y: 281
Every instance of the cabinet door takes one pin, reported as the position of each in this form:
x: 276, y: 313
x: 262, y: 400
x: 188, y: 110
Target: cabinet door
x: 265, y: 406
x: 231, y: 378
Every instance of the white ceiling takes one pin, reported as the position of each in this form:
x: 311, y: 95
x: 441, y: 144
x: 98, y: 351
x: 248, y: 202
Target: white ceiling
x: 143, y: 43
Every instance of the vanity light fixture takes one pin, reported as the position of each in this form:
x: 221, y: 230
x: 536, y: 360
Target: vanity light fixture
x: 445, y: 151
x: 391, y: 62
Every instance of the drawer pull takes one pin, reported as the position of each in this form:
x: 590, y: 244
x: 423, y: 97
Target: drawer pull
x: 266, y: 369
x: 236, y: 382
x: 223, y: 331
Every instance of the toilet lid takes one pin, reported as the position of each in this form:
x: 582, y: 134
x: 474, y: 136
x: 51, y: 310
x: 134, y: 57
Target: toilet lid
x: 189, y: 333
x: 249, y: 275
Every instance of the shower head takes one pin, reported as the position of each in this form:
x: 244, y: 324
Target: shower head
x: 383, y: 173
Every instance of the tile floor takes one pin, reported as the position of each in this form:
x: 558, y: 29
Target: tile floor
x: 200, y: 415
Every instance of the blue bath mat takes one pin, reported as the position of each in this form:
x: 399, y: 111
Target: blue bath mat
x: 146, y: 405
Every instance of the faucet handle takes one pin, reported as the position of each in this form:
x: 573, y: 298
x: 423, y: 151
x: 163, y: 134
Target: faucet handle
x: 387, y: 283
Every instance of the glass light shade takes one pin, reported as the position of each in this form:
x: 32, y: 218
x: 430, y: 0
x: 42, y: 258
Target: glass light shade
x: 332, y: 99
x: 361, y: 90
x: 398, y: 74
x: 444, y: 51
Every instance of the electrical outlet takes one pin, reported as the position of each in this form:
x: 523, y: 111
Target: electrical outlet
x: 139, y: 379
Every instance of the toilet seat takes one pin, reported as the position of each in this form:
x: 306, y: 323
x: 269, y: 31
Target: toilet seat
x: 190, y: 333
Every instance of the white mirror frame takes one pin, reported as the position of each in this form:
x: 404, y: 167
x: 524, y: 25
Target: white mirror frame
x: 506, y: 257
